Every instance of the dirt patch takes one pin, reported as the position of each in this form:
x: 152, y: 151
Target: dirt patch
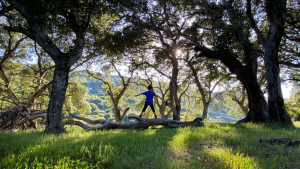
x: 294, y: 165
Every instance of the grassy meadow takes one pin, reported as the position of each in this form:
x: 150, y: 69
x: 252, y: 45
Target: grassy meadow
x: 216, y: 145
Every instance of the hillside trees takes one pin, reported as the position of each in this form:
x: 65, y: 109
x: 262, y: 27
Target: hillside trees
x: 76, y: 99
x: 115, y: 91
x: 207, y: 75
x: 293, y: 104
x: 47, y: 23
x: 114, y: 52
x: 177, y: 84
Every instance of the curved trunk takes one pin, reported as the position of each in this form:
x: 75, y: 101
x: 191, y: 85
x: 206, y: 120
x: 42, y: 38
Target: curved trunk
x: 117, y: 113
x: 275, y: 99
x: 162, y: 109
x: 242, y: 101
x: 118, y: 116
x: 201, y: 90
x: 243, y: 108
x: 167, y: 115
x: 58, y: 93
x: 258, y: 109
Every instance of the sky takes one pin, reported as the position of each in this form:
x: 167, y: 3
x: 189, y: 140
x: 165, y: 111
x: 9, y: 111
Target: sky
x: 286, y: 91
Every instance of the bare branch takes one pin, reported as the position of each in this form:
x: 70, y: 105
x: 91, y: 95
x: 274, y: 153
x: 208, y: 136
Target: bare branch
x: 254, y: 25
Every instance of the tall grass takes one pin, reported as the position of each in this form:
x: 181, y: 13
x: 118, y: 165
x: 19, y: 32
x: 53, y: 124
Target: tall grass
x: 216, y: 145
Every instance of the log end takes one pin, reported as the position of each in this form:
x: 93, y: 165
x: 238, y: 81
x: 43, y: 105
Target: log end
x: 198, y: 119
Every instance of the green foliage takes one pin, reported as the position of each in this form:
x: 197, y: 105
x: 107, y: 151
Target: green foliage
x: 187, y: 117
x: 107, y: 116
x: 293, y: 104
x: 76, y: 99
x: 25, y: 82
x: 215, y: 145
x: 99, y: 101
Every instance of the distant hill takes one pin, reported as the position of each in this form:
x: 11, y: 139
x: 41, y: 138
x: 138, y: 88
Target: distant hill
x: 222, y: 117
x: 95, y: 88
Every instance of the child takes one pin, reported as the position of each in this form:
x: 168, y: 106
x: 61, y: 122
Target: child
x: 149, y: 100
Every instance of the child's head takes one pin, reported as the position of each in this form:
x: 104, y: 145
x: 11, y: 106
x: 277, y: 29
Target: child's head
x: 149, y: 87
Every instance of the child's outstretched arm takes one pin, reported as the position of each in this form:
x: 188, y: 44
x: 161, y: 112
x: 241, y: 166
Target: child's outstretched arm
x: 138, y: 94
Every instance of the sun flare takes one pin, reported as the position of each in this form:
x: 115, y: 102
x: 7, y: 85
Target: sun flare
x: 178, y: 52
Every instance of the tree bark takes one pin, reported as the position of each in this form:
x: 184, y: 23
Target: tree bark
x: 118, y: 116
x: 174, y: 103
x: 141, y: 124
x: 58, y: 93
x: 258, y: 110
x: 276, y: 14
x: 205, y: 110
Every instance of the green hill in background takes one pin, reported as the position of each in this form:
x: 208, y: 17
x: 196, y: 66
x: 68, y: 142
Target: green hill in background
x: 97, y: 97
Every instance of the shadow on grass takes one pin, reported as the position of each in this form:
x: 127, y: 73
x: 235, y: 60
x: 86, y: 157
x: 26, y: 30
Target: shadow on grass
x: 216, y: 145
x: 17, y: 141
x: 237, y: 146
x: 91, y: 149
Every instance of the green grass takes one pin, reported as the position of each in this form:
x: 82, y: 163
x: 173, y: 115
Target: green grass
x: 216, y: 145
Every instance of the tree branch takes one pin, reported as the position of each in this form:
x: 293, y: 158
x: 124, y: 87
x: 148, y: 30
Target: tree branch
x: 254, y: 25
x: 39, y: 92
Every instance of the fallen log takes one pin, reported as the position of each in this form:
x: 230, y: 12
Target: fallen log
x: 289, y: 142
x: 11, y: 119
x: 141, y: 124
